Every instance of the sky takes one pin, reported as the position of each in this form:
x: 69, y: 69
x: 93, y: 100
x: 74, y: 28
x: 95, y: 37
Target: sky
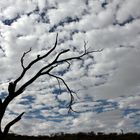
x: 107, y: 83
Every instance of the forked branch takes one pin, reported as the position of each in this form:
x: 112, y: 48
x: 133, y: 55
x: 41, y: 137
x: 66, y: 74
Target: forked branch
x: 69, y: 90
x: 22, y: 58
x: 25, y: 69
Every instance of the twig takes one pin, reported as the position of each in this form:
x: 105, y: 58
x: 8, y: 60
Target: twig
x: 22, y: 58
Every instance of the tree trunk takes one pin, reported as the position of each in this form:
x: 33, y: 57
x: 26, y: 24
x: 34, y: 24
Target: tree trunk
x: 2, y: 136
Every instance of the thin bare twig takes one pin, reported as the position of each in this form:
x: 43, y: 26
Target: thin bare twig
x: 59, y: 86
x: 69, y: 64
x: 69, y: 90
x: 22, y: 58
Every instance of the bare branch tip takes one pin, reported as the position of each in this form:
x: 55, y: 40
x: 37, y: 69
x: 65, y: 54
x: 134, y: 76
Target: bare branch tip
x: 22, y: 58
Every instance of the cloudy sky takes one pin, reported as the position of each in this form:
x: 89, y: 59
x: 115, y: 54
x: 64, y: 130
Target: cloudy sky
x: 107, y: 83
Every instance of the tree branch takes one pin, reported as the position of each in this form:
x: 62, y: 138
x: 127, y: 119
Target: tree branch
x: 68, y: 64
x: 22, y: 58
x: 8, y: 126
x: 69, y: 90
x: 30, y: 81
x: 78, y: 57
x: 34, y: 61
x: 64, y: 51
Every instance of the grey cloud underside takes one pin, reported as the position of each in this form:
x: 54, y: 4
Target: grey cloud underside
x: 107, y: 84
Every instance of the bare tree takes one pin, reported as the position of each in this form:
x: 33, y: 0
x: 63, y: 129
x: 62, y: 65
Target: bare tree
x: 13, y: 91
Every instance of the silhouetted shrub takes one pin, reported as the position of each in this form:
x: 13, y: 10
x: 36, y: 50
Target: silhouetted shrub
x: 78, y: 136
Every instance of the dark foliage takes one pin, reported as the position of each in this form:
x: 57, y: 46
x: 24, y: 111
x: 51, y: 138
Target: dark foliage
x: 79, y: 136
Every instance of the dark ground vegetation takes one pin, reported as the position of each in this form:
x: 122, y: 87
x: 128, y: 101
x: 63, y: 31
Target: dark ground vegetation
x: 79, y: 136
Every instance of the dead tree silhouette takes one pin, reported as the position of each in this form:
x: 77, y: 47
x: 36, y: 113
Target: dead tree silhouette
x: 13, y: 91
